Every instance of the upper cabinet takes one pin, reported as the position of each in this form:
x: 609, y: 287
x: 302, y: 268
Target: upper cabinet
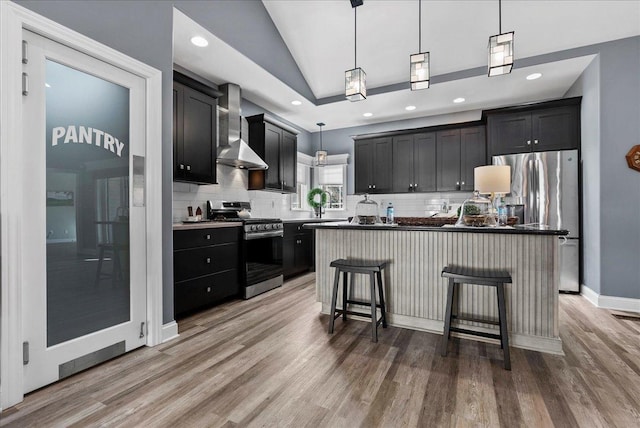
x: 459, y: 152
x: 414, y: 163
x: 194, y: 135
x: 278, y: 147
x: 373, y: 165
x: 542, y: 127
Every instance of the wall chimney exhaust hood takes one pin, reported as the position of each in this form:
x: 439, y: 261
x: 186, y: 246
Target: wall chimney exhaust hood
x: 232, y: 149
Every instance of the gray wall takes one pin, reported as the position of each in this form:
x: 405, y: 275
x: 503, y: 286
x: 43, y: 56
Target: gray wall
x: 588, y: 86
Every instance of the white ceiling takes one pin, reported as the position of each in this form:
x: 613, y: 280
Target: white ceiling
x: 320, y: 37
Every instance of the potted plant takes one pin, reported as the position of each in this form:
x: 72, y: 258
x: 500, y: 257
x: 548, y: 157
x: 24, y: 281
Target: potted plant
x: 317, y: 199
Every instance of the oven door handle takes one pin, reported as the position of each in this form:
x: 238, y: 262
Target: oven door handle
x: 252, y: 236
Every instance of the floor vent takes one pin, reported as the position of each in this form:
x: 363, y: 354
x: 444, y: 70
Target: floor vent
x: 90, y: 360
x: 629, y: 316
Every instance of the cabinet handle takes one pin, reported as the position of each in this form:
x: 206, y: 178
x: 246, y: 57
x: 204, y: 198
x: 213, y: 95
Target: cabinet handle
x: 535, y: 141
x: 208, y: 289
x: 374, y: 186
x: 369, y: 186
x: 181, y: 166
x: 528, y: 142
x: 415, y: 186
x: 208, y: 260
x: 207, y: 237
x: 188, y: 167
x: 457, y: 183
x: 462, y: 183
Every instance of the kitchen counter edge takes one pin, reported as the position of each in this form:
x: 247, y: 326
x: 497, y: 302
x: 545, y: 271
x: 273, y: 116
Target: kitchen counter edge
x: 511, y: 231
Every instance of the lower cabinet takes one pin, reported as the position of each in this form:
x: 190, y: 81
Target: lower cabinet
x: 297, y: 249
x: 205, y: 267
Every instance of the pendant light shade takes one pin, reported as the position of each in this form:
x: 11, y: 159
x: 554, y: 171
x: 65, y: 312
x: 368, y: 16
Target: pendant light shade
x: 500, y: 49
x: 355, y: 85
x: 419, y: 74
x: 321, y: 155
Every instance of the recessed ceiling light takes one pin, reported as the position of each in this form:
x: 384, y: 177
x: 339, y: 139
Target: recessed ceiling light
x: 199, y: 41
x: 368, y: 114
x: 47, y: 85
x: 409, y: 108
x: 534, y: 76
x: 459, y: 100
x: 296, y: 103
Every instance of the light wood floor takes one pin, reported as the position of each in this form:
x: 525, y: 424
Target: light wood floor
x: 269, y: 362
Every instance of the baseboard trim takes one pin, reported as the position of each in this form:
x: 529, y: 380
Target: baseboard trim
x: 169, y: 331
x: 548, y: 345
x: 610, y: 302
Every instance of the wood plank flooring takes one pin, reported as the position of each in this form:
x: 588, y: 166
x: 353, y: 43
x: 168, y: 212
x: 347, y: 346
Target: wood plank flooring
x: 269, y: 362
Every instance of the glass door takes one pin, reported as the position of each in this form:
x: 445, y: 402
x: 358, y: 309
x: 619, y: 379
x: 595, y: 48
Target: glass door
x: 83, y: 298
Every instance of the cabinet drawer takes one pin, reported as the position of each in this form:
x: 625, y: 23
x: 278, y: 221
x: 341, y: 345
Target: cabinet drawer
x: 291, y: 229
x: 197, y: 262
x: 201, y: 292
x: 204, y: 237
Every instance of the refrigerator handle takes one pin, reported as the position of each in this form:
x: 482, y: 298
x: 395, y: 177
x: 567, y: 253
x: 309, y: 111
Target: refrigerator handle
x: 563, y: 240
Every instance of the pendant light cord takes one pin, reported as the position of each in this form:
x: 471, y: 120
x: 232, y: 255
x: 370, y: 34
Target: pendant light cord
x: 355, y: 37
x: 499, y: 16
x: 420, y: 26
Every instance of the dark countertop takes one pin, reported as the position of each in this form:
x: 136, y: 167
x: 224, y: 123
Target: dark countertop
x: 518, y: 230
x: 311, y: 220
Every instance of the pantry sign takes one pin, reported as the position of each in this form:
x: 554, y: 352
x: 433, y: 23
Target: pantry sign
x: 87, y: 120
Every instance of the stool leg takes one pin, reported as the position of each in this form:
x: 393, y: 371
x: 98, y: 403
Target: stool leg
x: 447, y: 318
x: 382, y: 304
x: 100, y: 259
x: 504, y: 335
x: 345, y: 283
x: 333, y: 300
x: 374, y: 316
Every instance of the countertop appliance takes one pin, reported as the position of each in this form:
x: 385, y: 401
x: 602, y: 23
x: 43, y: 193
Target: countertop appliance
x: 546, y: 184
x: 261, y: 249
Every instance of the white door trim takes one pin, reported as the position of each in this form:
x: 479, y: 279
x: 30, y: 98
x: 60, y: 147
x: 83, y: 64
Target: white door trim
x: 13, y: 18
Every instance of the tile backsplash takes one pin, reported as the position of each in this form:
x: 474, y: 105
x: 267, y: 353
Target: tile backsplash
x: 232, y: 186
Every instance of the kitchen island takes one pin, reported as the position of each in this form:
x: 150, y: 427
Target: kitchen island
x: 415, y: 293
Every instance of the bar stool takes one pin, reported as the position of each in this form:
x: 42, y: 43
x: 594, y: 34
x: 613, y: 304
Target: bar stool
x: 492, y: 278
x: 374, y: 270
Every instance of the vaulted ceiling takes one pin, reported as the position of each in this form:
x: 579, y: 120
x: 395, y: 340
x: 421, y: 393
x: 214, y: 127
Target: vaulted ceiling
x: 319, y: 36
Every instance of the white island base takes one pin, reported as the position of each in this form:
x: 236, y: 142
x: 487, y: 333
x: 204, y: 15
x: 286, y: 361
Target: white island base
x: 415, y: 294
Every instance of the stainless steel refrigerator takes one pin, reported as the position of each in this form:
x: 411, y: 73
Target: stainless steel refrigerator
x: 546, y: 184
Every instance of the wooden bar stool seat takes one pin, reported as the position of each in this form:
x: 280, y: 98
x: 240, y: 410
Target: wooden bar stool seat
x: 374, y: 270
x: 487, y: 277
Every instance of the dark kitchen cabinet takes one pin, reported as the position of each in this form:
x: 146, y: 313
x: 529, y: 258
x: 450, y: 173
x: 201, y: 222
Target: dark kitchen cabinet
x: 206, y: 266
x: 297, y: 249
x: 373, y: 165
x: 279, y: 149
x: 535, y: 130
x: 414, y: 163
x: 194, y: 135
x: 459, y: 151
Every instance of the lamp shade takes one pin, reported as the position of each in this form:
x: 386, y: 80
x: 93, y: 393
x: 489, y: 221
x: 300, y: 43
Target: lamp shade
x: 419, y: 71
x: 500, y: 54
x: 355, y: 84
x: 492, y: 179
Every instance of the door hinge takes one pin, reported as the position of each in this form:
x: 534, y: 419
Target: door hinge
x: 25, y: 353
x: 25, y: 52
x: 25, y: 84
x: 142, y: 332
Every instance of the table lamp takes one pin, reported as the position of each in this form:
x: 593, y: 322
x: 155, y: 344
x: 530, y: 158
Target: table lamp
x: 490, y: 180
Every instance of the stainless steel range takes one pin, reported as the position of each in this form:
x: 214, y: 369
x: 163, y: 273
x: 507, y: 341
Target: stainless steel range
x: 261, y: 249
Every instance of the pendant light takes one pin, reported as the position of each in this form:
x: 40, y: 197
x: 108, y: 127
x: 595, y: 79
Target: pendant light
x: 419, y: 63
x: 500, y: 49
x: 321, y: 155
x: 355, y: 79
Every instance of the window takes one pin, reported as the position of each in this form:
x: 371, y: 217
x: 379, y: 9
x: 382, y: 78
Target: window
x: 303, y: 183
x: 331, y: 179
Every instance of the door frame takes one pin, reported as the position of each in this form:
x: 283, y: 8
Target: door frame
x: 13, y: 19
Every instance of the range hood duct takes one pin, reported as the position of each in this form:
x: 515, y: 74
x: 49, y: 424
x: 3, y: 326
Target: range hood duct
x: 232, y: 149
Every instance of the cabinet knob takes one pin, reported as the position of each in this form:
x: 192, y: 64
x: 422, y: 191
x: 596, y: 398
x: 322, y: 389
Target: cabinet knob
x: 374, y: 186
x: 415, y: 185
x: 208, y: 260
x: 462, y: 183
x: 207, y: 237
x: 208, y: 289
x: 188, y: 167
x: 528, y: 142
x: 457, y: 183
x: 535, y: 141
x: 410, y: 186
x: 369, y: 186
x: 181, y: 166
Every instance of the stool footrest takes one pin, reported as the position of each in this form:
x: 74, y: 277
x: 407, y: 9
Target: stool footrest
x: 360, y: 302
x: 472, y: 319
x: 476, y: 333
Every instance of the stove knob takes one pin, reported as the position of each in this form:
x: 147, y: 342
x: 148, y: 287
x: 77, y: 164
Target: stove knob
x: 254, y: 227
